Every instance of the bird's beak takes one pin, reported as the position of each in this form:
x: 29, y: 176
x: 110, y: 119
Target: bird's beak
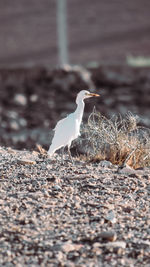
x: 92, y: 94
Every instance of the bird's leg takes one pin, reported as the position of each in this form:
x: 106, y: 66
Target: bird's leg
x: 62, y: 155
x: 69, y: 153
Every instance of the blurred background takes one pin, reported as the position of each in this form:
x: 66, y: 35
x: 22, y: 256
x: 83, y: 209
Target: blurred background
x: 108, y: 40
x: 98, y: 31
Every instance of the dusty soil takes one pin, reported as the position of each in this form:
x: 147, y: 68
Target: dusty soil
x: 81, y: 214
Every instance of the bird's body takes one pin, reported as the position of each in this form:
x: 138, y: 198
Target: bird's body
x: 68, y: 129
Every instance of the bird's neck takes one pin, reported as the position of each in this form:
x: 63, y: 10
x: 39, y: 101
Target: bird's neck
x: 79, y: 110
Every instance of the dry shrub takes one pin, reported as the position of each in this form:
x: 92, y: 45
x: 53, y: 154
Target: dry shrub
x: 118, y: 140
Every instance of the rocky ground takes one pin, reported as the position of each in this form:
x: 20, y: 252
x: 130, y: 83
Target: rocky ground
x: 69, y: 214
x: 72, y: 214
x: 81, y: 213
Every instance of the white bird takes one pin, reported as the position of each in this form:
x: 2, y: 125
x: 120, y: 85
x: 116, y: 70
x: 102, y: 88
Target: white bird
x: 68, y: 129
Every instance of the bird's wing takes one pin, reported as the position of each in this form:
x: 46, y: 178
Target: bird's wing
x: 59, y: 123
x: 64, y: 123
x: 66, y: 128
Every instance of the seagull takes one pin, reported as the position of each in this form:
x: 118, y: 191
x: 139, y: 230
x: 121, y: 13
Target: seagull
x: 68, y: 129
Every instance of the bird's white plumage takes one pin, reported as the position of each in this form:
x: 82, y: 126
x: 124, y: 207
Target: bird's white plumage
x: 68, y: 129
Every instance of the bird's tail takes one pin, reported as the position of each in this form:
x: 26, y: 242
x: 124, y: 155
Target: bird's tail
x: 50, y: 152
x: 52, y: 149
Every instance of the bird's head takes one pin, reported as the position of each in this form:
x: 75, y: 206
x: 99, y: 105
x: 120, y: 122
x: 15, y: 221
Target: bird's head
x: 84, y: 94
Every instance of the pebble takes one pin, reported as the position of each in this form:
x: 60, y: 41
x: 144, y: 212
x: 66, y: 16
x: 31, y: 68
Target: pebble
x: 26, y: 162
x: 20, y: 99
x: 108, y: 235
x: 111, y: 217
x: 57, y: 188
x: 116, y: 244
x: 34, y: 98
x: 105, y: 164
x: 126, y: 170
x: 14, y: 125
x: 68, y: 246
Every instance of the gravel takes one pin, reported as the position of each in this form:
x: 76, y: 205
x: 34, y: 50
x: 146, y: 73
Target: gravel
x: 81, y: 214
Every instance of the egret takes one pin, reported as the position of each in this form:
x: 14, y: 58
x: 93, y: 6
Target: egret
x: 68, y: 129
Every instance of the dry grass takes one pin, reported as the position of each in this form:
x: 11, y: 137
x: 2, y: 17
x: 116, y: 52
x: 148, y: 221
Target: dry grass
x: 118, y: 140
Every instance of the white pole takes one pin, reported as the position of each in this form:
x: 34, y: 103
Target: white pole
x: 62, y: 32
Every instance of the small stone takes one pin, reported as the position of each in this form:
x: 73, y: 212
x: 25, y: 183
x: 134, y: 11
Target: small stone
x: 119, y: 244
x: 108, y: 235
x: 51, y: 179
x: 148, y: 188
x: 111, y: 217
x: 12, y: 114
x: 105, y: 164
x: 57, y: 187
x: 68, y: 246
x: 34, y: 98
x: 45, y: 193
x: 20, y: 99
x: 125, y: 169
x: 22, y: 122
x: 26, y: 161
x: 14, y: 125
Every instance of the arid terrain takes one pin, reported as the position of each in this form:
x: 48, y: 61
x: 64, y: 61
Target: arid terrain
x: 70, y: 214
x: 89, y: 212
x: 80, y: 214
